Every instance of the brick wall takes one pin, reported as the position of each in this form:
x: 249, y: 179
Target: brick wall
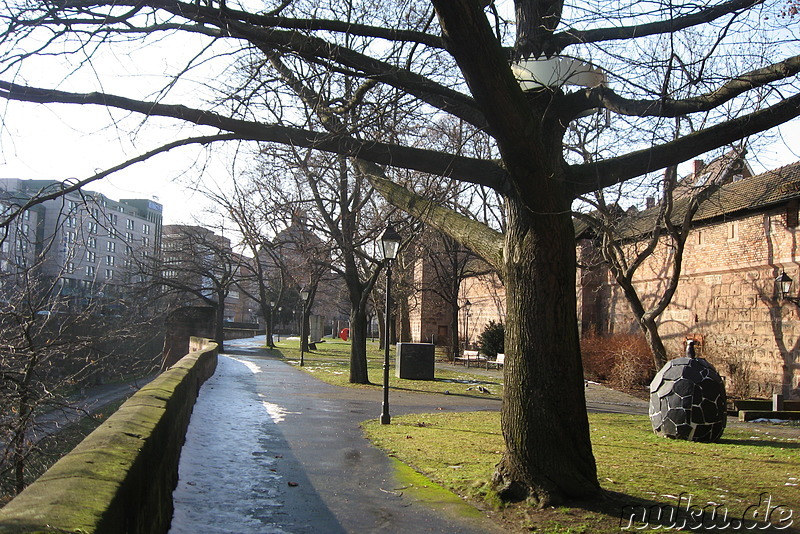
x: 726, y: 298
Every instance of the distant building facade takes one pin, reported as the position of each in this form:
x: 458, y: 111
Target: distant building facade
x: 83, y: 241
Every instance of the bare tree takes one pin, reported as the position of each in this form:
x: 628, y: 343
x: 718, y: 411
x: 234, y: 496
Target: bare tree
x: 738, y: 69
x: 258, y: 212
x: 53, y: 346
x: 339, y: 205
x: 627, y: 240
x: 198, y: 266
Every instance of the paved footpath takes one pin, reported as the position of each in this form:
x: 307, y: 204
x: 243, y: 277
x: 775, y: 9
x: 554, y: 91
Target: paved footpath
x: 271, y: 449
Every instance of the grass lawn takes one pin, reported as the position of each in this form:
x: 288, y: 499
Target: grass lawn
x: 331, y: 363
x: 741, y: 473
x: 751, y: 474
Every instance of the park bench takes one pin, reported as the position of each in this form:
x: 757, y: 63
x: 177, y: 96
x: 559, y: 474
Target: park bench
x: 471, y: 356
x: 498, y: 362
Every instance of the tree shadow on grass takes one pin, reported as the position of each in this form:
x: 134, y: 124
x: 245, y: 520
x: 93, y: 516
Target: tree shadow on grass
x: 778, y: 444
x: 623, y: 512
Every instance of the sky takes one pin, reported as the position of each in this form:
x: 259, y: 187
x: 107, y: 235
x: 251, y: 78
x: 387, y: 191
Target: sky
x: 71, y: 141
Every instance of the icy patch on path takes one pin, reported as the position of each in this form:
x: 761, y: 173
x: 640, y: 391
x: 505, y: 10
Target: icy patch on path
x: 224, y: 479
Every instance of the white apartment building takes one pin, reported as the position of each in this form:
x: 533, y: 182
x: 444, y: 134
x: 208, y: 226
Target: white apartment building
x: 87, y: 243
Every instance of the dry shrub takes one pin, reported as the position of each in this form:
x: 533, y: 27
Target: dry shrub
x: 736, y: 367
x: 624, y: 361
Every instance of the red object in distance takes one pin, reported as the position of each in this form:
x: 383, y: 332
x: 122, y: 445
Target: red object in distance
x: 344, y: 334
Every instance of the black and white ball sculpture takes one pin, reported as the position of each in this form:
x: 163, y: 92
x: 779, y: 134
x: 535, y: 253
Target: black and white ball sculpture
x: 687, y: 400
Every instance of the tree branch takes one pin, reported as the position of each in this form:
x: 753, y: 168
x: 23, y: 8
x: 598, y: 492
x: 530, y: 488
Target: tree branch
x: 478, y: 237
x: 604, y: 97
x: 78, y: 184
x: 569, y: 37
x: 472, y: 170
x: 593, y: 176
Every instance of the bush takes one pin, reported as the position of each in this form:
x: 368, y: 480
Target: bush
x: 624, y: 361
x: 491, y: 342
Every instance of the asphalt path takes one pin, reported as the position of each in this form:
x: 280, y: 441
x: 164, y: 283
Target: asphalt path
x: 270, y: 449
x: 307, y: 467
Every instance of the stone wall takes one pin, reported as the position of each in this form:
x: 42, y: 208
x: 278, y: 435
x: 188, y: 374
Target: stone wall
x: 121, y: 477
x: 726, y: 299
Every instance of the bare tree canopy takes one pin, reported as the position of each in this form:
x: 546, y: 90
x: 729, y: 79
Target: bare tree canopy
x: 729, y: 68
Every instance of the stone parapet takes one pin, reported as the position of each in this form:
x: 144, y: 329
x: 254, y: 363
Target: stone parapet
x: 121, y: 477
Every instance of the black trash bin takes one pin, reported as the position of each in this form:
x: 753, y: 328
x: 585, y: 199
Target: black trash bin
x: 415, y: 361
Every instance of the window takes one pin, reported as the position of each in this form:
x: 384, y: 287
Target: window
x: 128, y: 250
x: 700, y: 237
x: 146, y: 229
x: 111, y: 246
x: 791, y: 217
x: 70, y: 267
x: 128, y: 237
x: 90, y: 256
x: 92, y: 227
x: 146, y: 241
x: 71, y: 222
x: 109, y: 274
x: 733, y: 231
x: 113, y: 218
x: 90, y: 270
x: 70, y: 237
x: 91, y: 242
x: 109, y: 260
x: 129, y: 224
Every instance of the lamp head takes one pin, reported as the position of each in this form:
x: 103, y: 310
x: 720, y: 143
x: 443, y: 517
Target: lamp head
x: 390, y: 242
x: 784, y: 283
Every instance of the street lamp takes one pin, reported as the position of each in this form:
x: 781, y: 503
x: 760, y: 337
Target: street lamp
x: 466, y: 307
x: 390, y: 242
x: 784, y: 283
x: 271, y: 325
x: 303, y: 297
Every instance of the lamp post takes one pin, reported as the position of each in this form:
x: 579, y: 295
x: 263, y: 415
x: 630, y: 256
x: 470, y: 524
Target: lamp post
x: 390, y: 242
x: 784, y: 283
x: 466, y: 306
x: 303, y: 297
x: 270, y: 330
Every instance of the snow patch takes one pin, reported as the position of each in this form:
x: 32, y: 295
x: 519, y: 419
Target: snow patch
x: 227, y: 450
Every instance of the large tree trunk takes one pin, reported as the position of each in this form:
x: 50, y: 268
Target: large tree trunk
x: 358, y: 348
x: 544, y: 421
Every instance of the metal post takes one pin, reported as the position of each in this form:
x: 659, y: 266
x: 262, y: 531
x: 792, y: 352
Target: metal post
x: 385, y: 418
x: 302, y: 332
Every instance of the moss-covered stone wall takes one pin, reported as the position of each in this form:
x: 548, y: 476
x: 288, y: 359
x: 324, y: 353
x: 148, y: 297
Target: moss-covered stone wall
x: 121, y: 477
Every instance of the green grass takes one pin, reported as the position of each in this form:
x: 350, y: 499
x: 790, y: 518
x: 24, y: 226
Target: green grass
x: 459, y: 451
x: 331, y: 363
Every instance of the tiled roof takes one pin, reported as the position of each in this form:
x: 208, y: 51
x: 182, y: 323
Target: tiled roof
x: 747, y: 195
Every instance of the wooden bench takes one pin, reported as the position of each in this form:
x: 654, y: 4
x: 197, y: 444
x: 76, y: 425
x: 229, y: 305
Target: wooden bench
x: 471, y: 356
x: 498, y: 362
